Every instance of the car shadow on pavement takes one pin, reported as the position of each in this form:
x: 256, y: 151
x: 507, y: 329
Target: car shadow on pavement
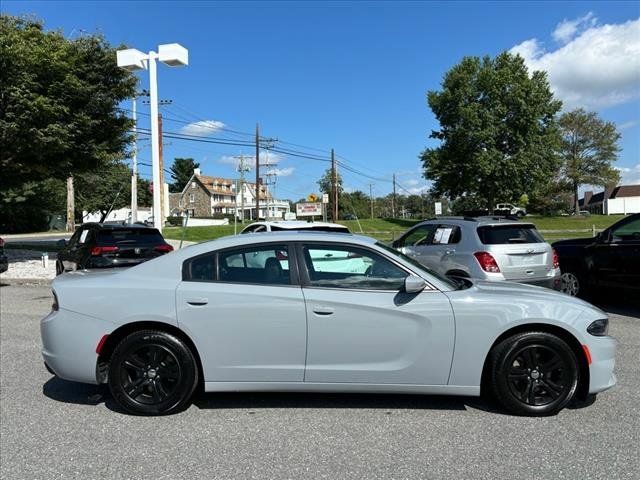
x: 314, y: 400
x: 79, y: 393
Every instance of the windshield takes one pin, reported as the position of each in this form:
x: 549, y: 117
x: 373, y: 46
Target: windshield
x: 442, y: 278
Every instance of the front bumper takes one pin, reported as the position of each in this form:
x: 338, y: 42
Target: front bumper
x: 603, y: 361
x: 69, y: 341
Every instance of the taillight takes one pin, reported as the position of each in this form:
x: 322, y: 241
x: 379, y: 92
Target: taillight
x: 556, y: 259
x: 487, y: 262
x: 99, y: 250
x: 166, y: 248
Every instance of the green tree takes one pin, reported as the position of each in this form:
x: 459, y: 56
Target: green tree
x: 325, y: 183
x: 58, y: 103
x: 589, y: 147
x: 498, y: 134
x: 104, y: 189
x: 181, y: 172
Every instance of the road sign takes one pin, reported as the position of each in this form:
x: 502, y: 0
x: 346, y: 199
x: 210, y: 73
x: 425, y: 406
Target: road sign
x: 312, y: 197
x: 325, y: 198
x: 308, y: 209
x: 438, y: 208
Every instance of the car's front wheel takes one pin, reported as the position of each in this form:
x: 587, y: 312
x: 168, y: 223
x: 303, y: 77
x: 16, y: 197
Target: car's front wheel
x: 534, y: 373
x: 152, y: 373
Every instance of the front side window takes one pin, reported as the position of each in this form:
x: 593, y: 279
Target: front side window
x: 418, y: 236
x: 267, y: 265
x: 627, y: 232
x: 350, y: 267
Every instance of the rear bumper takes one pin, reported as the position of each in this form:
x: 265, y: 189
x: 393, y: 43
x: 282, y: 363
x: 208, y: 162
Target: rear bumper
x: 69, y: 341
x: 552, y: 282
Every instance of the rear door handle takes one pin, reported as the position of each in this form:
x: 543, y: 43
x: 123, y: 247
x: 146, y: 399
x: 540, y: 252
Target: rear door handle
x: 197, y: 302
x: 321, y: 310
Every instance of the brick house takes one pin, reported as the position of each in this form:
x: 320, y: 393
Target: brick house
x: 205, y: 196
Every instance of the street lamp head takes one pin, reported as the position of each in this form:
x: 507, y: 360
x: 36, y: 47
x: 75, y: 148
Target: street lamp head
x: 173, y: 54
x: 131, y: 59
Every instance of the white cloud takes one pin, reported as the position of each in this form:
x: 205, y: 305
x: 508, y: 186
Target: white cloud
x: 281, y: 172
x: 202, y: 128
x: 629, y: 175
x: 567, y: 29
x: 250, y: 160
x: 599, y: 67
x: 627, y: 125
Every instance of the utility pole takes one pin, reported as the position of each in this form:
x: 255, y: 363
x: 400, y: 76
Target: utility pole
x: 257, y: 171
x: 393, y: 198
x: 71, y: 209
x: 334, y: 186
x: 242, y: 168
x: 371, y: 197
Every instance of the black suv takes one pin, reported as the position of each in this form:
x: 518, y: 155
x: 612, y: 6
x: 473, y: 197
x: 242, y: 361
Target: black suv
x: 98, y: 245
x: 610, y: 259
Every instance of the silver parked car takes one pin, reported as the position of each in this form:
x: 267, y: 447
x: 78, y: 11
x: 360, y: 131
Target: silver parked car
x: 487, y: 248
x: 205, y: 316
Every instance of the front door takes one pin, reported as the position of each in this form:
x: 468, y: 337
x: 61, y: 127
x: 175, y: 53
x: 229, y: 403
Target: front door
x: 245, y: 315
x: 364, y: 329
x: 616, y: 261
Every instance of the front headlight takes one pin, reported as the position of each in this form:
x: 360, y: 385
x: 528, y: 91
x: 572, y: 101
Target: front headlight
x: 599, y: 328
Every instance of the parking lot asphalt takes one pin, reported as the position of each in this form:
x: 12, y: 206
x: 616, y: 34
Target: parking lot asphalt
x: 56, y: 429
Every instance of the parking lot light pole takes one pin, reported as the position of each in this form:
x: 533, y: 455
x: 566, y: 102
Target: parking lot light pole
x: 131, y: 59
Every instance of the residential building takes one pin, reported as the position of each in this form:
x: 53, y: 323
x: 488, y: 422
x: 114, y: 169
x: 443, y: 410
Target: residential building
x: 623, y: 199
x: 204, y: 196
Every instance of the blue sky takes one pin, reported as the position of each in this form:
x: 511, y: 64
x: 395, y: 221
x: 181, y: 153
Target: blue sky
x: 353, y: 75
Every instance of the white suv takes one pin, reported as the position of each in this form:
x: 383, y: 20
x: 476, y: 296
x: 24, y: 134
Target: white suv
x: 508, y: 209
x: 279, y: 226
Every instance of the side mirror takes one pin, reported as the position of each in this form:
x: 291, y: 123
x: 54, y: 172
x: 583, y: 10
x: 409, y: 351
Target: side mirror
x: 414, y: 284
x: 602, y: 237
x: 61, y: 243
x: 396, y: 244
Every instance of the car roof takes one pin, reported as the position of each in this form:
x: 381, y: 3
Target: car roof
x: 297, y: 224
x: 116, y: 226
x: 479, y: 221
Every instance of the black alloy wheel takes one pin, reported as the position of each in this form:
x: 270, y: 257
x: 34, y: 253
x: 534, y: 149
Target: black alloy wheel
x: 152, y: 373
x: 534, y: 373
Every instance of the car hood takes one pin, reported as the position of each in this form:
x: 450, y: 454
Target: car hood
x: 574, y: 242
x: 519, y: 291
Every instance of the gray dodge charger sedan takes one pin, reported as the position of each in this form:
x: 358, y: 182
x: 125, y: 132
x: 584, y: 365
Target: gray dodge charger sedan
x: 320, y: 312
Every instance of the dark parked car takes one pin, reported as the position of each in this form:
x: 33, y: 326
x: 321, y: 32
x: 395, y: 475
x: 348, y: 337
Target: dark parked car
x: 4, y: 261
x: 609, y: 260
x: 97, y: 245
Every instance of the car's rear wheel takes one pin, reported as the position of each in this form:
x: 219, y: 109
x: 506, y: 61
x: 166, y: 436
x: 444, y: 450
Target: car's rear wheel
x: 59, y: 268
x: 152, y: 373
x: 534, y: 373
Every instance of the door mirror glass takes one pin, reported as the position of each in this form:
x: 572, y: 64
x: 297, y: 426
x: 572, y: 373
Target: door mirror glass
x: 414, y: 284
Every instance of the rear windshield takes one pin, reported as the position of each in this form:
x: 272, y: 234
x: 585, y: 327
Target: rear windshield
x: 504, y: 234
x: 317, y: 229
x: 130, y: 236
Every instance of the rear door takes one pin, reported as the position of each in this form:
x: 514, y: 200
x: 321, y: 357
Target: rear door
x: 364, y: 329
x: 245, y: 312
x: 519, y: 250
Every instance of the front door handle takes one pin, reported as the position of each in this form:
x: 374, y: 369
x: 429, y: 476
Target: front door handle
x: 321, y: 310
x: 197, y: 302
x: 451, y: 251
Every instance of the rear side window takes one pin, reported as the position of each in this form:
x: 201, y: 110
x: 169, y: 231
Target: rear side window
x: 130, y: 236
x: 509, y: 234
x: 263, y: 265
x: 446, y: 235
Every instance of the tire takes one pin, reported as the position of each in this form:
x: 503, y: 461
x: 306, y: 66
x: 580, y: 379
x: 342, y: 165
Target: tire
x: 152, y: 373
x: 59, y: 268
x: 573, y: 284
x: 534, y: 374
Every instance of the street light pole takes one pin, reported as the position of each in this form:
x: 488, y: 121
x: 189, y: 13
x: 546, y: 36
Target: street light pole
x: 131, y: 59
